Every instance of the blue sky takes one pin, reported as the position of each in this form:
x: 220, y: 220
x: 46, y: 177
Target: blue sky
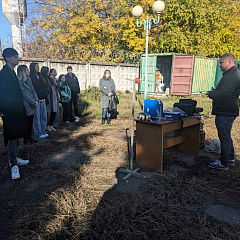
x: 5, y: 26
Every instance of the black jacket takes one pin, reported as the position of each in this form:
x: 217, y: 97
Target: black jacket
x: 11, y: 104
x: 225, y: 96
x: 41, y: 87
x: 73, y: 82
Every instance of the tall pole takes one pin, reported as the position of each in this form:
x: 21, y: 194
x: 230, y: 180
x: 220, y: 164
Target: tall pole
x: 146, y: 61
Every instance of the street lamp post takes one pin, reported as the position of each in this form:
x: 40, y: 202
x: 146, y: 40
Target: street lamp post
x: 137, y: 12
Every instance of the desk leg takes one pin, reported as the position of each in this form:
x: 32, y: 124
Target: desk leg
x: 191, y: 139
x: 149, y: 146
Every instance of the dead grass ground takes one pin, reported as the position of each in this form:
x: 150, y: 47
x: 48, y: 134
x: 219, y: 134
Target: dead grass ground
x: 70, y: 188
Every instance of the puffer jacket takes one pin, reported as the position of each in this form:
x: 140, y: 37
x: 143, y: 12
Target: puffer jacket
x: 64, y: 91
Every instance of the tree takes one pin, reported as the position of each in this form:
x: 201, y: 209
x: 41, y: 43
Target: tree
x: 201, y: 27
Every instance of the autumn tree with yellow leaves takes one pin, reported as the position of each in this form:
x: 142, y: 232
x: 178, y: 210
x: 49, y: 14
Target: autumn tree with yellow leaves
x: 200, y: 27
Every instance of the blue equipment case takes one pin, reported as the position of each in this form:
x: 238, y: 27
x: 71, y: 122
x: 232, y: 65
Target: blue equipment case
x: 153, y: 108
x: 172, y: 115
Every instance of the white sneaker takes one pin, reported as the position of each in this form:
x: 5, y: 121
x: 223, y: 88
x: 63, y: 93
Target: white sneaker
x: 42, y: 136
x: 53, y: 129
x: 15, y: 172
x: 20, y: 162
x: 49, y: 129
x: 46, y: 135
x: 67, y: 122
x: 77, y: 118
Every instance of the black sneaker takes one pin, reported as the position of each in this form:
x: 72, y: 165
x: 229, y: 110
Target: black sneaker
x: 218, y: 165
x: 231, y: 163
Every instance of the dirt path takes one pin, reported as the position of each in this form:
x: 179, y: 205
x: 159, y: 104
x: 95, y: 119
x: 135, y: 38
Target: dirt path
x: 70, y: 190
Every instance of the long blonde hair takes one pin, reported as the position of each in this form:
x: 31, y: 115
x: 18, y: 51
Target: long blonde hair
x: 21, y: 73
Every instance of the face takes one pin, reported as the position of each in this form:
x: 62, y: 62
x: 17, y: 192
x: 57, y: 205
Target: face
x: 107, y: 74
x: 14, y: 60
x: 63, y: 79
x: 54, y: 73
x: 37, y: 68
x: 69, y: 71
x: 27, y: 72
x: 225, y: 64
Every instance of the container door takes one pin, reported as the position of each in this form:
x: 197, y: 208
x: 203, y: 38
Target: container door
x: 151, y: 73
x: 182, y: 73
x: 204, y: 74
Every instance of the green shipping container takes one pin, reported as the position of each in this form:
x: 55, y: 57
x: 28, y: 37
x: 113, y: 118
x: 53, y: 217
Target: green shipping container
x: 204, y: 74
x: 219, y: 72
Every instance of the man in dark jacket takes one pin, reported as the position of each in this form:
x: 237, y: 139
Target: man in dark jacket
x: 226, y: 108
x: 73, y: 83
x: 11, y: 105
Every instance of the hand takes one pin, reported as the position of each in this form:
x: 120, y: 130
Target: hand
x: 110, y: 94
x: 36, y: 104
x: 78, y: 95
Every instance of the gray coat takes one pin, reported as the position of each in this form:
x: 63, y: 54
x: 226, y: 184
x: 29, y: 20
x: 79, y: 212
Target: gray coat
x: 106, y: 86
x: 29, y: 96
x: 53, y: 99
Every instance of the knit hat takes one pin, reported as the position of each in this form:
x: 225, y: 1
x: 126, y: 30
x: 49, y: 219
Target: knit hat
x: 9, y: 52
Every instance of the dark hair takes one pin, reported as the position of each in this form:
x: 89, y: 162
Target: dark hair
x: 21, y: 72
x: 69, y: 67
x: 52, y: 69
x: 48, y: 79
x: 104, y: 75
x: 59, y: 78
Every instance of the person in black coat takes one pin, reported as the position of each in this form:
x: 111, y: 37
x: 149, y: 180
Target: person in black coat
x: 226, y: 108
x: 73, y: 83
x: 12, y: 106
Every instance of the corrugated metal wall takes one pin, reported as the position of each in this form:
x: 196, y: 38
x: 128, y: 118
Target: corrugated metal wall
x: 204, y: 74
x: 89, y: 74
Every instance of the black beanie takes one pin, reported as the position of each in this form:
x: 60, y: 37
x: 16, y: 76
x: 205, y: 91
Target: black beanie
x: 9, y: 52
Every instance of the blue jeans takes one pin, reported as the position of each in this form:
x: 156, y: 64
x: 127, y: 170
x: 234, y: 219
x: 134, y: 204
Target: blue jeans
x: 224, y: 127
x: 105, y: 112
x: 40, y: 119
x: 56, y: 120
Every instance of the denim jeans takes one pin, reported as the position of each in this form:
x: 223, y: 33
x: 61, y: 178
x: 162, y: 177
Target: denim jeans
x: 224, y: 127
x: 12, y: 152
x: 56, y: 120
x: 40, y: 119
x: 105, y: 112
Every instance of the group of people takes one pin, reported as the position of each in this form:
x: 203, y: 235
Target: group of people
x: 30, y: 99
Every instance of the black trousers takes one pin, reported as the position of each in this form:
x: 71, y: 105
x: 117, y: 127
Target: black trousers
x: 74, y: 100
x: 29, y: 127
x: 51, y: 118
x: 67, y: 112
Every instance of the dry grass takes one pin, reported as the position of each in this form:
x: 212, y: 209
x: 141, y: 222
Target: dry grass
x: 82, y: 200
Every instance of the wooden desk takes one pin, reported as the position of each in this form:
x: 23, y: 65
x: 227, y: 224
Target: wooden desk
x: 150, y: 144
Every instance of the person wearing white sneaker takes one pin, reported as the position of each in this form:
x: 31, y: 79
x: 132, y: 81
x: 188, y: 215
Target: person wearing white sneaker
x: 52, y: 96
x: 12, y: 106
